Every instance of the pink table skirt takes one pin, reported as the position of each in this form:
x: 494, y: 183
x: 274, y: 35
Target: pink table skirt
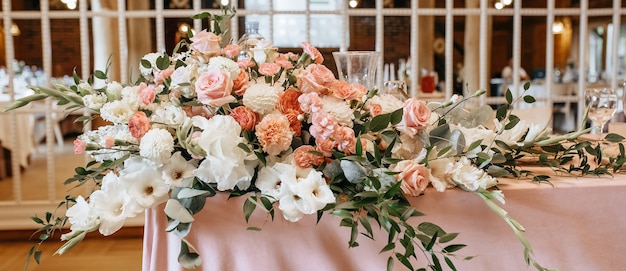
x: 576, y: 225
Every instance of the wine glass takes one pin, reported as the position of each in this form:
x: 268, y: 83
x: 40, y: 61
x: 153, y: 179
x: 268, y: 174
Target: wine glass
x: 396, y: 88
x: 601, y: 104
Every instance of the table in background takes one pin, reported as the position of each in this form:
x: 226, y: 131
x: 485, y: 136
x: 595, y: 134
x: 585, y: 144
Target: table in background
x: 24, y: 133
x: 577, y: 224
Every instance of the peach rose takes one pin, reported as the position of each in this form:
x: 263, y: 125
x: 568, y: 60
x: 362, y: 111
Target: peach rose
x: 288, y: 100
x: 79, y: 146
x: 345, y: 139
x: 240, y: 84
x: 146, y: 93
x: 310, y: 103
x: 283, y: 61
x: 246, y: 118
x: 375, y: 109
x: 206, y: 43
x: 305, y: 157
x: 160, y: 76
x: 315, y: 78
x: 315, y: 54
x: 214, y: 87
x: 139, y: 124
x: 414, y: 177
x: 323, y: 125
x: 343, y: 90
x: 414, y: 117
x: 325, y: 146
x: 274, y: 134
x: 231, y: 50
x: 269, y: 69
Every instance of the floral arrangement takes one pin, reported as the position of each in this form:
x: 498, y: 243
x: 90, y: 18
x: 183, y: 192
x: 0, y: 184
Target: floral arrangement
x: 281, y: 130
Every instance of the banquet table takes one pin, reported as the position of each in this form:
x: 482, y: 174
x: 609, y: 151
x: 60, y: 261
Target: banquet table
x: 572, y: 224
x: 24, y: 132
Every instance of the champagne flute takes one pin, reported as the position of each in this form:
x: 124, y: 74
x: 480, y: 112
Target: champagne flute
x: 601, y: 104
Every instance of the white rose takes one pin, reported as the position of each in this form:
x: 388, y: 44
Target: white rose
x: 471, y: 178
x: 168, y: 114
x: 94, y: 101
x: 473, y: 134
x: 224, y: 64
x: 157, y: 145
x: 261, y: 98
x: 181, y: 81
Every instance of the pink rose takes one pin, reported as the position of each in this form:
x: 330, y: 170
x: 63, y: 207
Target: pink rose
x: 240, y: 84
x: 325, y: 146
x: 139, y: 125
x: 345, y: 139
x: 414, y: 177
x: 274, y: 134
x: 206, y: 43
x: 79, y: 146
x: 246, y: 118
x: 202, y: 111
x: 231, y: 50
x: 315, y: 78
x: 310, y: 102
x: 305, y: 157
x: 343, y: 90
x: 315, y: 54
x: 269, y: 69
x: 323, y: 125
x: 214, y: 87
x: 414, y: 117
x: 146, y: 93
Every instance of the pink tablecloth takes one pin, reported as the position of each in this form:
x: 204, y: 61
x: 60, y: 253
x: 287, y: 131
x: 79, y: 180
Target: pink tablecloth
x: 578, y: 224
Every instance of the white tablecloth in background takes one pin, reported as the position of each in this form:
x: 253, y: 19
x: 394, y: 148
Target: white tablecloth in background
x: 24, y: 132
x: 577, y: 225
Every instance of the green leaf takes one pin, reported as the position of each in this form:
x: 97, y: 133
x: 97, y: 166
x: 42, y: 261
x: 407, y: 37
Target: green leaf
x: 388, y: 247
x: 163, y: 62
x: 447, y: 237
x: 37, y: 256
x: 501, y: 111
x: 529, y: 99
x: 175, y: 210
x: 187, y: 259
x: 614, y: 138
x: 380, y: 122
x: 449, y: 263
x: 453, y: 248
x: 37, y: 220
x: 509, y: 96
x: 396, y: 116
x: 248, y: 207
x: 100, y: 75
x: 190, y: 193
x: 389, y: 263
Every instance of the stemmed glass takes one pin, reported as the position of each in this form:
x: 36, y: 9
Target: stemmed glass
x: 601, y: 104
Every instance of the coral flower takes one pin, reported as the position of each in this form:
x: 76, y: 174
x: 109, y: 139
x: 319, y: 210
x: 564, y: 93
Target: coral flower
x: 274, y: 134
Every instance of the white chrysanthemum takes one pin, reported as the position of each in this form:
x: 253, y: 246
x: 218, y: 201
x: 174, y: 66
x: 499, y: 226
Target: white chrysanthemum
x: 340, y: 109
x: 117, y: 112
x: 225, y: 162
x: 82, y: 216
x: 177, y: 169
x: 151, y: 57
x: 157, y: 145
x: 168, y: 114
x: 131, y: 97
x: 224, y: 64
x: 114, y: 91
x: 261, y: 98
x: 388, y: 103
x: 94, y: 101
x: 144, y: 184
x: 110, y: 202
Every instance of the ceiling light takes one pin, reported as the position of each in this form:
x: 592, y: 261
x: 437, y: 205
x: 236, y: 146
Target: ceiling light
x: 498, y: 5
x: 507, y: 2
x: 353, y: 3
x: 558, y: 27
